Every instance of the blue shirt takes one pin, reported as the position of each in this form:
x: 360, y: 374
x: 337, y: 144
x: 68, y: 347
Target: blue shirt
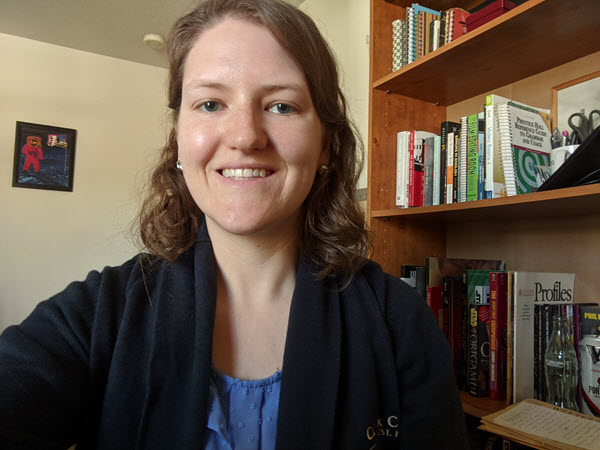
x: 242, y: 414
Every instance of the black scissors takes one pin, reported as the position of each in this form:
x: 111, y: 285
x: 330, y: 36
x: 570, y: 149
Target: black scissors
x: 585, y: 127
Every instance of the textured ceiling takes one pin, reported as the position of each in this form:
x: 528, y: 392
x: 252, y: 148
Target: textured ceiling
x: 107, y: 27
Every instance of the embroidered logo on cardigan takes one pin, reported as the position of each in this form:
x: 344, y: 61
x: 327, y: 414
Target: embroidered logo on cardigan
x: 385, y: 428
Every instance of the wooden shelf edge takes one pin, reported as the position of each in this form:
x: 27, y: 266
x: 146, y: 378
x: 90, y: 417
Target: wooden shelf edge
x: 481, y: 406
x: 433, y: 77
x: 546, y: 198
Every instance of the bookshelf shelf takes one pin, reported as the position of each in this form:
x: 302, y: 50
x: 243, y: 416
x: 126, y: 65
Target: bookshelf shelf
x: 569, y: 202
x: 523, y: 53
x: 481, y: 406
x: 522, y: 46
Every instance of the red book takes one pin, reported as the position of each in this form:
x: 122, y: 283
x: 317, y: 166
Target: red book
x: 498, y: 324
x: 436, y: 302
x: 488, y: 13
x: 416, y: 166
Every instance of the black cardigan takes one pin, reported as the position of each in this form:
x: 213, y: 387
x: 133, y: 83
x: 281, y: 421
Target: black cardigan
x: 122, y: 360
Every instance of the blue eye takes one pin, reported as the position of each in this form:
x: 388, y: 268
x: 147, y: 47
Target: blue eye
x: 281, y: 108
x: 210, y: 106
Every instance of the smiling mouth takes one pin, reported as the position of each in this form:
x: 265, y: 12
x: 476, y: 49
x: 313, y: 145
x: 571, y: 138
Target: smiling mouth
x: 245, y: 174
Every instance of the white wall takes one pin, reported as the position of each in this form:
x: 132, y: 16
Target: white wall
x: 49, y: 238
x: 345, y: 25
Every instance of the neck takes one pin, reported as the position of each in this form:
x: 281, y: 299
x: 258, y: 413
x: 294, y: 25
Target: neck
x: 258, y: 269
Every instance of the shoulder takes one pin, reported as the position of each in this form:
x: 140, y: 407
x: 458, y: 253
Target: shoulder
x: 392, y: 294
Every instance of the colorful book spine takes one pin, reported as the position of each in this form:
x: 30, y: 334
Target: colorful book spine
x: 435, y: 301
x: 472, y: 158
x: 437, y: 167
x: 478, y: 301
x: 450, y: 169
x: 410, y: 34
x: 498, y: 342
x: 445, y: 128
x: 428, y: 150
x: 401, y: 161
x: 463, y: 160
x: 589, y: 359
x: 495, y: 186
x: 398, y: 44
x: 480, y: 156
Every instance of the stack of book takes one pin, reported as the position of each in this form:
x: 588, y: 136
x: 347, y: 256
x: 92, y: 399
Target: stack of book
x: 501, y: 151
x: 425, y: 30
x: 499, y: 323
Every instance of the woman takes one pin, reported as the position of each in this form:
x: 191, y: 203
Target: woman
x: 256, y: 322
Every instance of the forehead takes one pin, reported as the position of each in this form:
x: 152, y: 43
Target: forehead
x: 236, y: 47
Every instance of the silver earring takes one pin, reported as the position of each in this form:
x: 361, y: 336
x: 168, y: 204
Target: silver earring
x: 323, y: 169
x: 179, y: 165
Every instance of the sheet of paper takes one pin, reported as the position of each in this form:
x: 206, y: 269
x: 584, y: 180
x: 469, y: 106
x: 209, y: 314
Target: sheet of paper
x: 555, y: 425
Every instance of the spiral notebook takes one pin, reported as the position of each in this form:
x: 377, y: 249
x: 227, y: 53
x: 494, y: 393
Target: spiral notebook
x: 525, y: 146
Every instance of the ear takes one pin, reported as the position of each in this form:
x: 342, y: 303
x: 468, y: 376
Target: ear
x: 325, y: 155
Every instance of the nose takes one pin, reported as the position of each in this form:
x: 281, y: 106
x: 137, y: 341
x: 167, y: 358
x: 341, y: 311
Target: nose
x: 244, y: 129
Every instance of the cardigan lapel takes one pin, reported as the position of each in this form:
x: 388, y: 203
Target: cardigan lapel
x: 205, y: 300
x: 311, y: 364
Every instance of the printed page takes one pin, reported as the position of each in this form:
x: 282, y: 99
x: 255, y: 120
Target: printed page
x: 561, y: 426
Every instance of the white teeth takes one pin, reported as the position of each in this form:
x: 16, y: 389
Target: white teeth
x: 244, y: 173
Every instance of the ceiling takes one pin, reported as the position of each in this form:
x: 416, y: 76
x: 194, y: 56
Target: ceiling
x: 107, y: 27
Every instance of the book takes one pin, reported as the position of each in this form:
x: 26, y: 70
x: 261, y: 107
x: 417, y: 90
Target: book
x: 456, y: 24
x: 478, y: 302
x: 401, y: 169
x: 525, y: 146
x: 416, y: 167
x: 588, y: 342
x: 428, y: 156
x: 495, y: 186
x: 399, y: 42
x: 435, y: 301
x: 472, y: 158
x: 529, y: 289
x: 436, y: 174
x: 480, y: 156
x: 540, y: 425
x: 498, y: 337
x: 461, y: 151
x: 410, y: 34
x: 445, y: 128
x: 450, y: 168
x: 438, y: 272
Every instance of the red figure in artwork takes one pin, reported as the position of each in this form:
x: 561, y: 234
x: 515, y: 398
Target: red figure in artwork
x: 33, y: 153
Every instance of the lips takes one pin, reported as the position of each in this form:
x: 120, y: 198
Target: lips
x: 245, y: 173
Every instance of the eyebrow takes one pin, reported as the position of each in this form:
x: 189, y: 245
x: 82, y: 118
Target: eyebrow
x: 267, y: 88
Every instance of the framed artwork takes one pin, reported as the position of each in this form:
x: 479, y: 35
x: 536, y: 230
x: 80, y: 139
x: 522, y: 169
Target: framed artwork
x: 44, y: 157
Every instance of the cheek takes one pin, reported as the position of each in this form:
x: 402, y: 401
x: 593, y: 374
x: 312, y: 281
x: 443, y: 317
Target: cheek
x: 193, y: 141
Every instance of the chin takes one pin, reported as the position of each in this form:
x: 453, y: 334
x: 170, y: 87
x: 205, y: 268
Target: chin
x: 249, y: 226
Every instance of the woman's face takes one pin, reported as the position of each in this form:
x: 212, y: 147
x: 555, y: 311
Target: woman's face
x: 249, y: 138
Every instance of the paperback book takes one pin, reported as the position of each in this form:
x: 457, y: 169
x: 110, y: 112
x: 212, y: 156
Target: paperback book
x: 529, y: 289
x: 525, y: 146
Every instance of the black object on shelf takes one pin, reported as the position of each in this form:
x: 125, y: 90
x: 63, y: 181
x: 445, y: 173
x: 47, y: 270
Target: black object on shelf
x: 581, y: 168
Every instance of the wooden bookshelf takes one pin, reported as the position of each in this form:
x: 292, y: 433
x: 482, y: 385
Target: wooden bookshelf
x: 480, y: 406
x: 522, y: 43
x: 555, y: 231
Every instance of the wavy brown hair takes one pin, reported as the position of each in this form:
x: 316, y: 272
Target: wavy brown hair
x: 334, y: 234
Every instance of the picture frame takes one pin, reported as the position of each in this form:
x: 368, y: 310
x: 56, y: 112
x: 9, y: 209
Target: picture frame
x: 44, y: 157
